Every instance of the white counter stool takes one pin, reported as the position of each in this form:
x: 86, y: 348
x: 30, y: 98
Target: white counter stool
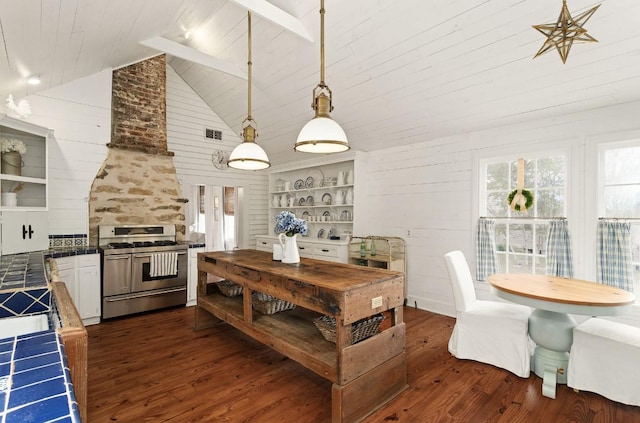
x: 605, y: 359
x: 487, y: 331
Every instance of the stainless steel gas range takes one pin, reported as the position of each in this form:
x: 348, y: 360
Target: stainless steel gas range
x: 143, y: 268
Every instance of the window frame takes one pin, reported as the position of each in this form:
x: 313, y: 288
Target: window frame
x: 486, y: 159
x: 601, y: 149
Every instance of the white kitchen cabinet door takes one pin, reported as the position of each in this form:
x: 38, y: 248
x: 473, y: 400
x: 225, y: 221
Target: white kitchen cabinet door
x: 81, y: 275
x: 24, y: 231
x: 192, y: 278
x: 88, y: 288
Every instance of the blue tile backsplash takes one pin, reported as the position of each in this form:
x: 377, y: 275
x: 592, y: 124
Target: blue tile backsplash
x: 75, y: 240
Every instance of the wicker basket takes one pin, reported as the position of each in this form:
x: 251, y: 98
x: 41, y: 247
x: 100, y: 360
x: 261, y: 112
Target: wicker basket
x: 229, y: 289
x: 266, y: 304
x: 362, y: 329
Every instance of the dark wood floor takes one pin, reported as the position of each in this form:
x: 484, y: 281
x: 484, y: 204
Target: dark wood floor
x: 155, y: 368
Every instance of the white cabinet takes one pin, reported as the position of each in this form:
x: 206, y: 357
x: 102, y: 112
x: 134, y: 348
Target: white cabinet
x: 24, y: 231
x: 324, y: 195
x: 81, y: 275
x: 192, y: 276
x: 337, y: 251
x: 23, y: 180
x: 24, y: 173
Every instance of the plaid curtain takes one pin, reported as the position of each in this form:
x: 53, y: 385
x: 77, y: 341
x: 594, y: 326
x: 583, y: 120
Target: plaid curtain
x: 614, y: 254
x: 486, y: 257
x: 559, y: 261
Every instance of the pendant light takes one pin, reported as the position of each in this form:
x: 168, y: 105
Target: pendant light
x: 322, y: 134
x: 249, y: 155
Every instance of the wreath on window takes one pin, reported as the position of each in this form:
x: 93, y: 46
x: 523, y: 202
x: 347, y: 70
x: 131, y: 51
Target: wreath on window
x: 520, y: 199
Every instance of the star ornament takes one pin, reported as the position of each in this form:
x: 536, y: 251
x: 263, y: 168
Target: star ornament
x: 566, y: 31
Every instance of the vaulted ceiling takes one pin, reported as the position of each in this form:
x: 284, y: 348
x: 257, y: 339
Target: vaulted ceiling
x: 401, y: 71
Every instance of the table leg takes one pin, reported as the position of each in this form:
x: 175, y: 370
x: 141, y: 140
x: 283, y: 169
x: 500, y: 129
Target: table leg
x: 553, y: 334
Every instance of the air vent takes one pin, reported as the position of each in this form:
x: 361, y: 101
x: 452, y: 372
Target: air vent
x: 213, y: 134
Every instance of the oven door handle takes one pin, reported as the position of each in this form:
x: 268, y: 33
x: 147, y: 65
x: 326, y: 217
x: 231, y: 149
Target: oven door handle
x: 147, y: 294
x: 117, y: 257
x: 143, y: 255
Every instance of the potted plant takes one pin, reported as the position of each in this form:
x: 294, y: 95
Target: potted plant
x: 12, y: 150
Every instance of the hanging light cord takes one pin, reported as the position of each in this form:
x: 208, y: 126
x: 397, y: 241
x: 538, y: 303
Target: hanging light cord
x: 322, y: 84
x: 249, y: 64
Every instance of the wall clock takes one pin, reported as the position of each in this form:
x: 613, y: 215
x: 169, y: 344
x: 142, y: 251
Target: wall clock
x: 220, y: 159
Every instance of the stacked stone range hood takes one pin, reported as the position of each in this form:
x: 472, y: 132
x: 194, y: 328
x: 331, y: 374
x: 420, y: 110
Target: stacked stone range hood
x: 137, y: 183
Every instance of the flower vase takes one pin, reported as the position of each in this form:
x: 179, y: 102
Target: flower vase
x: 12, y: 163
x: 290, y: 253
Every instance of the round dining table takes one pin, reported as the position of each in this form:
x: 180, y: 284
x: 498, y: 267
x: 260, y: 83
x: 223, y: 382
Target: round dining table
x: 554, y: 299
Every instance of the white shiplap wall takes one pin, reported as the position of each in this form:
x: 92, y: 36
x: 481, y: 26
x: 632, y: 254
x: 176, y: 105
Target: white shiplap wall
x: 80, y: 115
x: 429, y: 189
x: 187, y: 117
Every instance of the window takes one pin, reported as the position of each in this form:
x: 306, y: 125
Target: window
x: 521, y: 236
x: 620, y: 192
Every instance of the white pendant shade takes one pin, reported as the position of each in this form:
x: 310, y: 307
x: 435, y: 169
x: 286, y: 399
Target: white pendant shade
x: 322, y: 135
x: 248, y: 156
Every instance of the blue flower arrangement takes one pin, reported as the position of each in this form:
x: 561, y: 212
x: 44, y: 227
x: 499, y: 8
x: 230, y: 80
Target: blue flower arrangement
x: 288, y: 223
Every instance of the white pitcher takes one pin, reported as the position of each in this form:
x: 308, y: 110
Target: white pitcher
x: 348, y: 198
x: 283, y: 200
x: 350, y: 177
x: 339, y: 198
x: 276, y: 201
x: 290, y: 253
x: 341, y: 180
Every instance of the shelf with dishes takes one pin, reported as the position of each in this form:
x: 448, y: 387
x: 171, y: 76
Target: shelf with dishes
x: 324, y: 195
x: 337, y: 198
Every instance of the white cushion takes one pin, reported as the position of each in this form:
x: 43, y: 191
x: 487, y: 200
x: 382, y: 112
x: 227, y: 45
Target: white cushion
x: 605, y: 359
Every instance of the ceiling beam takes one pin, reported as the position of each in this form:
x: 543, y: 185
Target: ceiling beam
x: 276, y: 15
x: 193, y: 55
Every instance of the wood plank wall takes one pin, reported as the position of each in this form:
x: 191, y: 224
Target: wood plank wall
x: 429, y: 189
x: 80, y: 114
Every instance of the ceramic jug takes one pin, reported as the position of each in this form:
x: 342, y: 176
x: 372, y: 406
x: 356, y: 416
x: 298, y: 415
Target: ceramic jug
x: 348, y: 198
x: 290, y: 253
x: 350, y: 177
x: 283, y: 200
x: 276, y: 201
x: 292, y: 201
x: 339, y: 198
x: 341, y: 178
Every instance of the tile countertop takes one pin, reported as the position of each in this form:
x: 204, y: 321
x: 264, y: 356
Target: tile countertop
x: 35, y: 384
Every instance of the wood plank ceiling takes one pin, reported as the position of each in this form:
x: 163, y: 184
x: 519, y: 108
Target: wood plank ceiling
x: 401, y: 72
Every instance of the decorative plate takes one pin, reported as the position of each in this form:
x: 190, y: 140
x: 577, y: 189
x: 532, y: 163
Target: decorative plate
x: 301, y: 202
x: 331, y: 233
x: 310, y: 200
x: 308, y: 183
x: 326, y: 213
x: 320, y: 233
x: 326, y: 198
x: 305, y: 214
x: 317, y: 175
x: 299, y: 184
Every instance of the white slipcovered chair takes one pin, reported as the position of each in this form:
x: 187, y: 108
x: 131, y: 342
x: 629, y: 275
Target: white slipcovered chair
x: 605, y: 359
x: 487, y: 331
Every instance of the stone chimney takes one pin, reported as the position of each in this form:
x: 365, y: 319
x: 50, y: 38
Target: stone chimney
x: 137, y: 183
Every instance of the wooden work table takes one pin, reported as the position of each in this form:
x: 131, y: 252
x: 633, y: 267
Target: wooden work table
x: 365, y: 375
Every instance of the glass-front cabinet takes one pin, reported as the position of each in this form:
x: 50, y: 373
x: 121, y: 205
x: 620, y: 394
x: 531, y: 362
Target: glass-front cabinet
x: 23, y: 180
x: 23, y: 165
